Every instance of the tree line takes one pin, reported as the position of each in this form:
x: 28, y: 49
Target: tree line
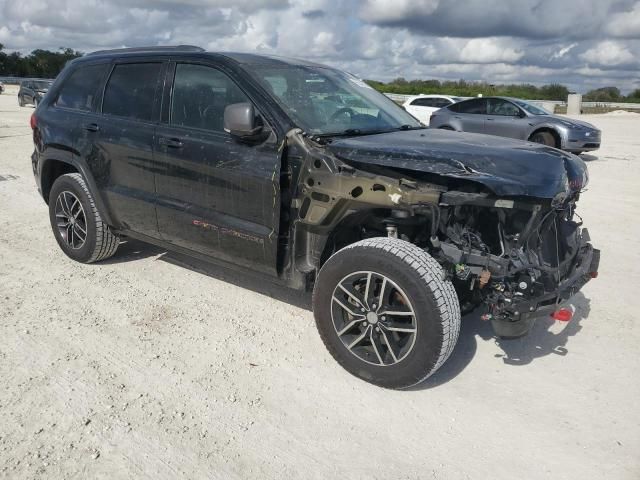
x: 47, y: 64
x: 464, y: 88
x: 39, y: 63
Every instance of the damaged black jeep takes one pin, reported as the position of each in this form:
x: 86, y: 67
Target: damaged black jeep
x: 307, y: 174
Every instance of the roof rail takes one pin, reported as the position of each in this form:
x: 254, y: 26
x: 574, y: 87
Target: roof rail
x: 172, y: 48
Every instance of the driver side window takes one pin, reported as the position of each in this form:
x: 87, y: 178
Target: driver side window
x: 200, y: 95
x: 502, y: 107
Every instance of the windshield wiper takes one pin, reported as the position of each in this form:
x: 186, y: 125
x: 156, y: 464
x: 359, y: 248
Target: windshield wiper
x: 410, y: 127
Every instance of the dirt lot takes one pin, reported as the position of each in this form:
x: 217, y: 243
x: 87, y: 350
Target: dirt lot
x: 153, y: 366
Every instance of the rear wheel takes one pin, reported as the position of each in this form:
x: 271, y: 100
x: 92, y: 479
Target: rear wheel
x: 386, y: 312
x: 545, y: 138
x: 20, y: 101
x: 76, y: 223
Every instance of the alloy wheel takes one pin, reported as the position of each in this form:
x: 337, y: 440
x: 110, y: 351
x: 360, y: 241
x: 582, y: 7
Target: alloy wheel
x: 373, y: 318
x: 71, y: 220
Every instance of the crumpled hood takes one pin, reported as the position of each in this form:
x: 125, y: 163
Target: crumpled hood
x: 507, y: 167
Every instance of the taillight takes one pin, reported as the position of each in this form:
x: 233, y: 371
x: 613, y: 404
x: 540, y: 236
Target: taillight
x: 34, y: 121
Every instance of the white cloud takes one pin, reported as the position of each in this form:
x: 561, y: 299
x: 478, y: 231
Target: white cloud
x: 608, y: 53
x: 489, y: 50
x: 492, y: 40
x: 625, y: 24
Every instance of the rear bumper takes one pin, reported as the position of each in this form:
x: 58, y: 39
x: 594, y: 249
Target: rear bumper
x: 522, y: 313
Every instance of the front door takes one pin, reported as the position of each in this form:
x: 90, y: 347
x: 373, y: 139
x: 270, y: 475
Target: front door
x: 505, y: 119
x: 216, y: 195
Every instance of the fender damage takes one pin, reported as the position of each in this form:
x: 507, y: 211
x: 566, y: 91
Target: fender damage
x: 498, y: 215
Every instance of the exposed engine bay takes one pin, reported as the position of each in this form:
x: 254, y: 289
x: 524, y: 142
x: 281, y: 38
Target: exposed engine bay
x: 516, y: 257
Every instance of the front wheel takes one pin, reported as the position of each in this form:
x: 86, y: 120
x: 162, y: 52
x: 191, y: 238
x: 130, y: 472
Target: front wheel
x: 76, y: 223
x: 545, y: 138
x: 386, y: 312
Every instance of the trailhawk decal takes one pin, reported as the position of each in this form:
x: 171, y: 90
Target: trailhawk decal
x: 228, y: 231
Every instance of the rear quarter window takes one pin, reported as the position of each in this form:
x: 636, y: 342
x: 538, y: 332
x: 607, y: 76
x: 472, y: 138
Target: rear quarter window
x: 131, y: 90
x: 79, y: 90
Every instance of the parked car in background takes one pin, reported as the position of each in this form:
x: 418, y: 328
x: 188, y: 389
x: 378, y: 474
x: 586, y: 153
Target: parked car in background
x: 32, y: 91
x: 1, y: 87
x: 514, y: 118
x: 422, y: 106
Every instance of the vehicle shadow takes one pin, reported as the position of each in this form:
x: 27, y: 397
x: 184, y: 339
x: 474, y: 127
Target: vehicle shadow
x: 256, y: 282
x: 544, y: 339
x: 131, y: 250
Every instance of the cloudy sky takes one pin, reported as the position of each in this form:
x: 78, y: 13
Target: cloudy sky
x: 581, y: 43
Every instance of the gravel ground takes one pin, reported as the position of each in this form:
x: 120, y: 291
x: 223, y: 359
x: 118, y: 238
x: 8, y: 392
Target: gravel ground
x: 151, y: 365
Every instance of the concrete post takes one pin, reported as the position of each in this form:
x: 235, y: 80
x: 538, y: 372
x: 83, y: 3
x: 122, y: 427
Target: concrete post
x: 574, y: 104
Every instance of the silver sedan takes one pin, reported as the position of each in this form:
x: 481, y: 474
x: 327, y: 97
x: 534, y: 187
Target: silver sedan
x: 514, y: 118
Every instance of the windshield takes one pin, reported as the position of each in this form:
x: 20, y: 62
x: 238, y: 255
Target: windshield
x: 323, y: 101
x: 41, y: 85
x: 532, y: 109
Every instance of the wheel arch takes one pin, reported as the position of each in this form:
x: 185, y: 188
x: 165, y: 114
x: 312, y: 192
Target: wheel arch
x: 53, y: 167
x: 547, y: 128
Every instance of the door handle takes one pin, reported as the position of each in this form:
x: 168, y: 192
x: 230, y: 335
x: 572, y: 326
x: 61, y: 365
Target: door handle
x: 92, y: 127
x: 171, y: 142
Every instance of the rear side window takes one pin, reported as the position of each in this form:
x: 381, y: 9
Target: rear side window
x: 80, y: 89
x: 423, y: 102
x: 441, y: 102
x: 131, y: 90
x: 477, y: 106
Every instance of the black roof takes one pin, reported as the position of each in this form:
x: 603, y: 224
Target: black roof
x: 237, y: 57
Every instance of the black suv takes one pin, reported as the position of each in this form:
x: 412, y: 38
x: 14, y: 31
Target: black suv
x: 33, y: 91
x: 308, y: 175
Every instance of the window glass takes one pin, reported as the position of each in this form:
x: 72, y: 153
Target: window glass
x: 81, y: 88
x: 532, y: 108
x: 475, y: 106
x: 498, y: 106
x: 441, y: 102
x: 131, y: 90
x: 424, y: 102
x: 324, y: 101
x: 200, y: 95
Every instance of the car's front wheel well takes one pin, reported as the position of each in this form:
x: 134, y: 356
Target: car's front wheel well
x: 553, y: 132
x: 51, y: 171
x: 377, y: 222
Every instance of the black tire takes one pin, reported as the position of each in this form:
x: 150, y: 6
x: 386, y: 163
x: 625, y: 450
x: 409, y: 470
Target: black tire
x: 544, y: 138
x: 429, y: 295
x: 20, y: 101
x: 36, y: 102
x: 99, y: 242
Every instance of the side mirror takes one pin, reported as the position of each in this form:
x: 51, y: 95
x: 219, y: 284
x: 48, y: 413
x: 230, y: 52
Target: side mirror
x: 240, y: 120
x: 521, y: 114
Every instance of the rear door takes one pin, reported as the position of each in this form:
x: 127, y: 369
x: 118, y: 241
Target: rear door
x: 216, y: 195
x: 121, y: 143
x: 505, y: 119
x: 470, y: 114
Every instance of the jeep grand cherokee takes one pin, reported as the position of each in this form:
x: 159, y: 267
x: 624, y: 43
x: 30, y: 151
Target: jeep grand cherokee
x: 307, y: 174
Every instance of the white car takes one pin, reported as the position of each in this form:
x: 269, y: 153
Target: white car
x: 422, y: 106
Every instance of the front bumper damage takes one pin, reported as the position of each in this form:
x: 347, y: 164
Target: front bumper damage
x: 517, y: 318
